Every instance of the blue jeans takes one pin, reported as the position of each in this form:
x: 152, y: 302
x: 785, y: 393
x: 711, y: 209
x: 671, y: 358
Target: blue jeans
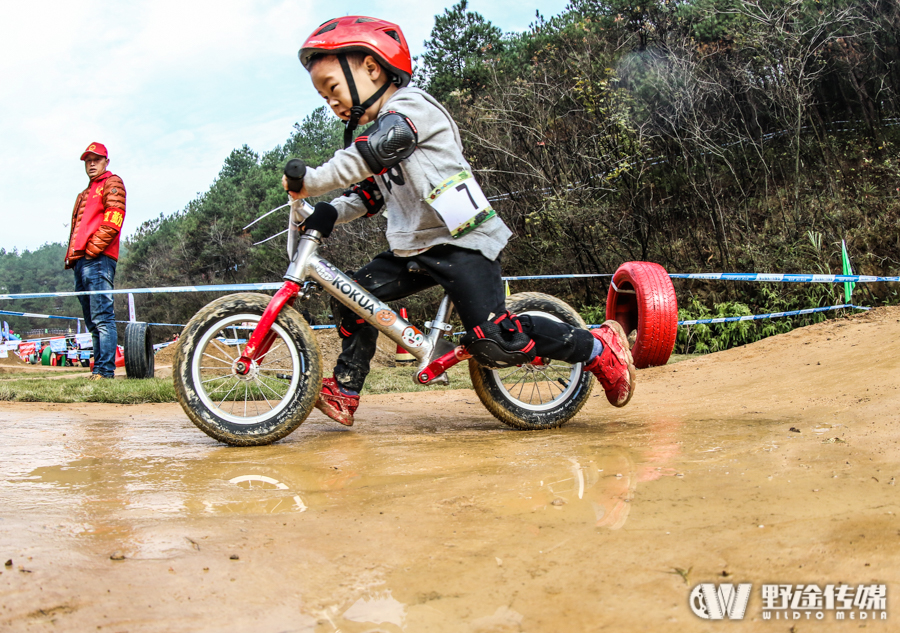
x: 99, y: 316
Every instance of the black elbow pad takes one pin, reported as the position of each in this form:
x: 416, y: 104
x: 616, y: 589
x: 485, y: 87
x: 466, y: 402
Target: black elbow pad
x: 391, y: 139
x: 370, y: 195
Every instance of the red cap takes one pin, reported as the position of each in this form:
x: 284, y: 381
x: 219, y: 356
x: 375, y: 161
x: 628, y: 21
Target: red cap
x: 96, y: 148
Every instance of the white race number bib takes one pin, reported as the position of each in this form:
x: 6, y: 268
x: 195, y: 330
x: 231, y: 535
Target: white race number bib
x: 461, y: 203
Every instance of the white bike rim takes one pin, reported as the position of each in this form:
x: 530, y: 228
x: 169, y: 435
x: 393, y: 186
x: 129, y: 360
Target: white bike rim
x: 197, y: 377
x: 523, y: 386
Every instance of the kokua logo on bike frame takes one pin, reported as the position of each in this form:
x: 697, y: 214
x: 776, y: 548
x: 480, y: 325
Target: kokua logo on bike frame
x: 354, y: 295
x: 714, y: 602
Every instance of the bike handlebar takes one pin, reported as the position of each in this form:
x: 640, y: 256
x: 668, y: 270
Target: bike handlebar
x: 295, y: 170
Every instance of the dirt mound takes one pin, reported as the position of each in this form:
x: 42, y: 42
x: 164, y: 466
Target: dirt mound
x: 166, y: 355
x: 11, y: 361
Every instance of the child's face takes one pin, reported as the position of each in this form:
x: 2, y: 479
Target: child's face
x: 328, y: 79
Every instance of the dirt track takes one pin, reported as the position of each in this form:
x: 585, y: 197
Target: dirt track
x: 428, y: 515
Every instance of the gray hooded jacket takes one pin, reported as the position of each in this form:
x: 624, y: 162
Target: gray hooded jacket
x: 412, y: 224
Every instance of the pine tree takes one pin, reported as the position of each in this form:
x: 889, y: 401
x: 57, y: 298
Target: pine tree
x: 459, y: 54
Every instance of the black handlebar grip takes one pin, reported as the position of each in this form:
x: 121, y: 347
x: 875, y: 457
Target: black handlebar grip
x: 322, y: 219
x: 295, y: 170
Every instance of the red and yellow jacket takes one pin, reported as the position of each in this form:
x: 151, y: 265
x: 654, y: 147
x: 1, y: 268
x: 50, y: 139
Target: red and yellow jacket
x: 97, y: 219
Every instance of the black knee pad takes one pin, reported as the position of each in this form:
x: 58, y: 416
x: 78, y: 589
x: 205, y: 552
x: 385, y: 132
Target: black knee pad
x: 500, y: 342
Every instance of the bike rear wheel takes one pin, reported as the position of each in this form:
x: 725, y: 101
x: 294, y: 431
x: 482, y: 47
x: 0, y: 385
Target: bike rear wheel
x: 535, y: 396
x: 272, y: 399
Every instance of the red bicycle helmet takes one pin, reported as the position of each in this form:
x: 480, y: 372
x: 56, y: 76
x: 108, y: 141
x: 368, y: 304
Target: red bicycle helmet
x: 383, y: 40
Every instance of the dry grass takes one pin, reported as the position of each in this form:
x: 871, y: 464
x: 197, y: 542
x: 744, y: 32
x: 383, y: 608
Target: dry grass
x: 35, y: 386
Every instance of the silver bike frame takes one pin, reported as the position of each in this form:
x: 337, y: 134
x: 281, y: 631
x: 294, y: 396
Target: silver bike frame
x: 307, y: 264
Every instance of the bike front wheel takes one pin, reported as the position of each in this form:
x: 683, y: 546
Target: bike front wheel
x: 263, y: 405
x: 535, y: 396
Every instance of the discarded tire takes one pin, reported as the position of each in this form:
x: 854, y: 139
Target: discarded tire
x: 139, y: 358
x: 642, y: 299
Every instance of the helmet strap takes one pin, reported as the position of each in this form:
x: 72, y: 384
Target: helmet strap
x: 358, y: 108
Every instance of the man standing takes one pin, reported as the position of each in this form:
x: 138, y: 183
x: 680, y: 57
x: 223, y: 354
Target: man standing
x: 94, y: 250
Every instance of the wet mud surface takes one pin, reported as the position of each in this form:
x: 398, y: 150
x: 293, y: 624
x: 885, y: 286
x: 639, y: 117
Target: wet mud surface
x: 429, y: 515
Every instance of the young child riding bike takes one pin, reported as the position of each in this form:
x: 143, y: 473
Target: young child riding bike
x: 409, y: 163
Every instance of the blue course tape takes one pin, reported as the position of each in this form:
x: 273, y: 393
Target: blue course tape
x: 228, y: 288
x: 276, y: 286
x: 759, y: 317
x: 57, y: 316
x: 167, y: 324
x: 164, y: 289
x: 771, y: 315
x: 836, y: 279
x: 524, y: 277
x: 38, y: 316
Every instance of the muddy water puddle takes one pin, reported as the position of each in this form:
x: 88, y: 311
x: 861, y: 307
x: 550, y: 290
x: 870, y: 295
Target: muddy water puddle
x: 107, y: 472
x: 136, y: 521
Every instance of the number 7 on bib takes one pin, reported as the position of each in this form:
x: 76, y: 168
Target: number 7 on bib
x: 461, y: 203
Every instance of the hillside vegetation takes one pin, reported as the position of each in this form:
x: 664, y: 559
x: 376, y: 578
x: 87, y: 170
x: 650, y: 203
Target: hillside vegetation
x: 705, y: 135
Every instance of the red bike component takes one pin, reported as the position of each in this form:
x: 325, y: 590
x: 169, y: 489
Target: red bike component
x: 642, y: 299
x: 442, y: 364
x: 261, y: 339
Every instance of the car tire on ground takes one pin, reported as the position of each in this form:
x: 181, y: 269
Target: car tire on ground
x: 139, y: 358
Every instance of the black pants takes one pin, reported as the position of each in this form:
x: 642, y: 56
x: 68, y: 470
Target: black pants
x: 475, y: 287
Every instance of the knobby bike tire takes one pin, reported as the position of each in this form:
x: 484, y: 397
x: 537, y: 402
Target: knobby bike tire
x: 566, y: 385
x: 197, y: 399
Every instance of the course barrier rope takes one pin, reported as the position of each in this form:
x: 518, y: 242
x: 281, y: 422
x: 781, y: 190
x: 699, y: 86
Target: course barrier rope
x: 771, y: 315
x: 161, y: 290
x: 39, y: 316
x: 763, y: 277
x: 759, y: 277
x: 70, y: 318
x: 785, y: 278
x: 234, y: 288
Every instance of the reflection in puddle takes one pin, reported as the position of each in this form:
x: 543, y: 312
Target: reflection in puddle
x: 76, y: 473
x: 574, y: 476
x: 380, y: 608
x: 596, y: 487
x: 265, y: 497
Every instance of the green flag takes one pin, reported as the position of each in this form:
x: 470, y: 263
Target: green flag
x: 848, y: 285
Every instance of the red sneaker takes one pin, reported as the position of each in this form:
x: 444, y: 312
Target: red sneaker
x: 335, y: 404
x: 614, y: 367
